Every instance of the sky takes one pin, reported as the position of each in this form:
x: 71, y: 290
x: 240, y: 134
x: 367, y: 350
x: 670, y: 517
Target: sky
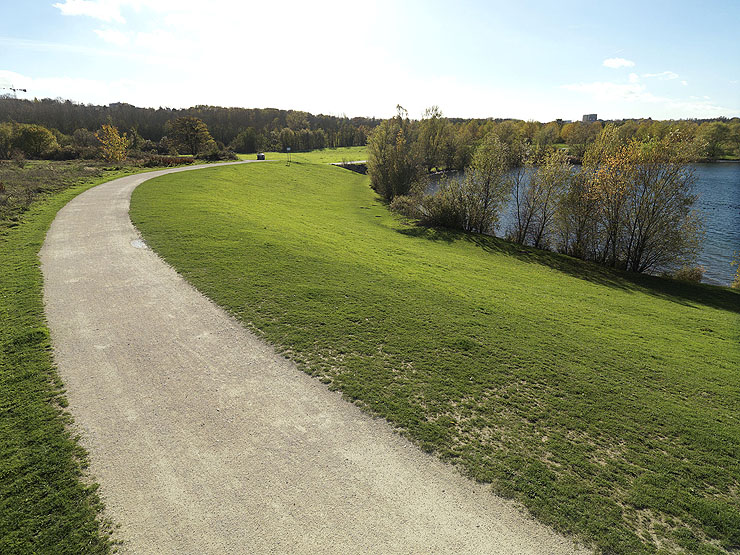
x: 537, y: 60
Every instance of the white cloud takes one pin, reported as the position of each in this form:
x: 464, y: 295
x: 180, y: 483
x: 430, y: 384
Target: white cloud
x: 180, y: 53
x: 112, y: 36
x: 684, y: 83
x: 164, y: 42
x: 663, y: 75
x: 616, y: 63
x: 105, y: 10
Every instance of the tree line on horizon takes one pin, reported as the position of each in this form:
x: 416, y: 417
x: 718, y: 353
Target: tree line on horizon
x: 449, y: 141
x: 244, y: 130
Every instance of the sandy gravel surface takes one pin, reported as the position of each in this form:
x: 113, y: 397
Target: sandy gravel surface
x: 204, y: 440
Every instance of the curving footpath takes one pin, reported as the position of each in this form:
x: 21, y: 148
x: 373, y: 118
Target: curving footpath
x: 204, y: 440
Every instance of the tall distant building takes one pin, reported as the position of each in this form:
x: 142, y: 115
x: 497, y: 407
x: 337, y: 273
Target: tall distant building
x: 589, y: 118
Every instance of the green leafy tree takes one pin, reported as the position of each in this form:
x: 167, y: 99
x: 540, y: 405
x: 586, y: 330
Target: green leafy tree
x: 486, y: 185
x: 714, y: 135
x: 319, y: 139
x: 287, y: 139
x: 734, y: 137
x: 509, y: 132
x: 245, y: 142
x: 135, y: 140
x: 464, y: 143
x: 546, y: 136
x: 579, y: 135
x: 628, y: 129
x: 6, y: 140
x: 431, y: 137
x: 189, y: 134
x: 34, y: 140
x: 393, y: 164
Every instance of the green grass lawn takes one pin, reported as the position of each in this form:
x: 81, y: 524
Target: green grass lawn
x: 607, y: 403
x: 46, y: 506
x: 323, y: 156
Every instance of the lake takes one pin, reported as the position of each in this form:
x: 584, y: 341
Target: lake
x: 718, y: 187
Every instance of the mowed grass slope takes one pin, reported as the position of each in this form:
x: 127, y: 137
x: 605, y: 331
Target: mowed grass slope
x: 323, y: 156
x: 607, y: 403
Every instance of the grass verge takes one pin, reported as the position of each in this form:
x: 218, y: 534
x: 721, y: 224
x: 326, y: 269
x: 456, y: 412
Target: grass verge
x: 323, y: 156
x: 606, y: 402
x: 46, y: 506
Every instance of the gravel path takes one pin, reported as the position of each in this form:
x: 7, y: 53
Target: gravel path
x: 204, y: 440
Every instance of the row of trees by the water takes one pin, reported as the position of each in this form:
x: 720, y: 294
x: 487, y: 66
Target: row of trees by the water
x: 628, y: 205
x: 440, y: 143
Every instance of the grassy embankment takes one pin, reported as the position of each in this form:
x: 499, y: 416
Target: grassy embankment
x: 324, y: 156
x: 46, y: 506
x: 608, y: 403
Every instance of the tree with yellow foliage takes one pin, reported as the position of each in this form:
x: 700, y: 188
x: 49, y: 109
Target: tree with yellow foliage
x: 112, y: 143
x: 645, y: 199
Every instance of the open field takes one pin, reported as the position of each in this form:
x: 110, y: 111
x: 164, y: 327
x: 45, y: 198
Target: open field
x: 323, y: 156
x: 608, y: 403
x: 45, y: 506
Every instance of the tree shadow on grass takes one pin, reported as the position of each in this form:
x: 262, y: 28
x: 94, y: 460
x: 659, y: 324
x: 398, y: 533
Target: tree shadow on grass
x: 686, y: 294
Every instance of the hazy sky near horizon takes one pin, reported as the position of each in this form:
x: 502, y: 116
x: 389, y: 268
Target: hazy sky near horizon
x: 524, y: 59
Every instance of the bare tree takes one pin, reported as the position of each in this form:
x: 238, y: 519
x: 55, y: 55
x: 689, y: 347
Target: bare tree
x: 537, y: 199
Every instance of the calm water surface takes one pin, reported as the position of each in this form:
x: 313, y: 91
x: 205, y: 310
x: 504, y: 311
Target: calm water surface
x: 718, y: 187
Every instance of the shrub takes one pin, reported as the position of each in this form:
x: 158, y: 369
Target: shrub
x: 215, y: 154
x: 692, y: 274
x: 35, y: 141
x: 68, y: 152
x: 6, y: 140
x: 406, y: 205
x: 167, y: 161
x: 442, y: 209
